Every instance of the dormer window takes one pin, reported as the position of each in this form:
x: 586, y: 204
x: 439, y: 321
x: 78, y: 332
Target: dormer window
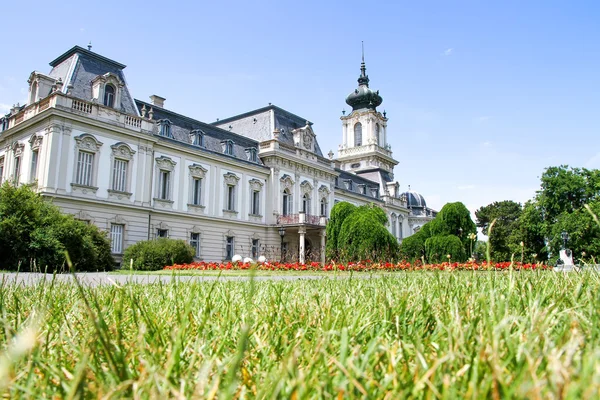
x: 227, y: 147
x: 348, y: 184
x: 165, y: 128
x: 251, y: 154
x: 375, y: 192
x: 109, y: 95
x: 197, y: 138
x: 362, y: 189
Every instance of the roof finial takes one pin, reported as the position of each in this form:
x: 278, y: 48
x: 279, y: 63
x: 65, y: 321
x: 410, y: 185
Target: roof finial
x: 363, y: 68
x: 362, y: 43
x: 90, y: 46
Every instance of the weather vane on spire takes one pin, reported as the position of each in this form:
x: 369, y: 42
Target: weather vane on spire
x: 362, y: 43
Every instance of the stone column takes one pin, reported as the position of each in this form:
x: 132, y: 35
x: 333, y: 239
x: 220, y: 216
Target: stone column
x: 322, y: 234
x: 302, y: 232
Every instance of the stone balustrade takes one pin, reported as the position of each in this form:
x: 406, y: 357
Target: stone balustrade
x: 94, y: 110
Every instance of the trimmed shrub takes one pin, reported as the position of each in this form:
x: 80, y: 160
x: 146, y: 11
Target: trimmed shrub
x: 439, y: 247
x: 34, y: 235
x: 339, y: 212
x: 153, y: 255
x: 413, y: 247
x: 364, y: 236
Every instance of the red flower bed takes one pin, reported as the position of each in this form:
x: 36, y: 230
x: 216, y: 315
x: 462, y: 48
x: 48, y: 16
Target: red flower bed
x: 363, y: 266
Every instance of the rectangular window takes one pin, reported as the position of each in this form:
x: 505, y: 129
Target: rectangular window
x: 198, y: 139
x: 116, y: 238
x: 195, y: 242
x: 255, y: 206
x: 162, y: 233
x: 164, y: 181
x: 229, y: 248
x: 230, y: 198
x: 85, y: 163
x: 255, y: 248
x: 120, y: 175
x: 197, y: 191
x: 1, y: 169
x: 17, y: 169
x: 34, y: 165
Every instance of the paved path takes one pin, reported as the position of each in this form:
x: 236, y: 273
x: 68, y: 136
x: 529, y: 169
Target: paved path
x: 103, y: 278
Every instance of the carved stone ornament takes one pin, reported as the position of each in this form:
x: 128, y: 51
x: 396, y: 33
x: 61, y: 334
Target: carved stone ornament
x: 230, y: 179
x: 87, y: 142
x: 255, y: 184
x: 324, y: 191
x: 307, y: 140
x: 118, y: 219
x: 197, y: 171
x: 35, y: 141
x: 165, y: 163
x: 286, y: 182
x: 306, y: 187
x: 17, y: 149
x: 122, y: 150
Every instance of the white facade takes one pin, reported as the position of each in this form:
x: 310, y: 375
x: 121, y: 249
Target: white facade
x: 137, y: 171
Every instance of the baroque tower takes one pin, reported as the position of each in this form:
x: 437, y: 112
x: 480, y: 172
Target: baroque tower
x: 364, y: 149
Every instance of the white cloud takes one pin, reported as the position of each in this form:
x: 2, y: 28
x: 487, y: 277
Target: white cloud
x: 486, y: 144
x: 593, y: 162
x: 466, y: 187
x: 448, y: 51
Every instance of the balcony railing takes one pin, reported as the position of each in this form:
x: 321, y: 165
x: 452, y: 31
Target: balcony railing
x: 301, y: 218
x: 350, y: 151
x: 94, y: 110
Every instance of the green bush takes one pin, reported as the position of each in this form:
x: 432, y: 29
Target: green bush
x: 34, y: 235
x: 439, y: 247
x: 152, y: 255
x: 413, y: 247
x: 339, y: 212
x: 364, y: 236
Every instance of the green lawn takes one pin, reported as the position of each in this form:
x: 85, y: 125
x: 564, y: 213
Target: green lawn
x: 422, y: 334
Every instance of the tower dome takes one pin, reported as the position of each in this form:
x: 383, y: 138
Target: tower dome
x: 363, y: 97
x: 414, y: 199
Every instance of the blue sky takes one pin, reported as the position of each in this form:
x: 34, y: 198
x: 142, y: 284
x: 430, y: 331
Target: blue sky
x: 480, y: 97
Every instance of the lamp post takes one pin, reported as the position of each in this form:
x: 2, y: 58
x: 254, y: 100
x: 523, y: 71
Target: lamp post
x: 282, y: 234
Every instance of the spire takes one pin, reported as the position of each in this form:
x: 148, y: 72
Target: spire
x: 364, y: 78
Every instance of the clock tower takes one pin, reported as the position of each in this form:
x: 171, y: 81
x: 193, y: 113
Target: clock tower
x: 364, y: 149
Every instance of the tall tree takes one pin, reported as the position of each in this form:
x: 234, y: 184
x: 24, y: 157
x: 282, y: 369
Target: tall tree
x: 502, y: 237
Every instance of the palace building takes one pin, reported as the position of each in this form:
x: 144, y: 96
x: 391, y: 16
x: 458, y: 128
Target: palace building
x: 253, y: 184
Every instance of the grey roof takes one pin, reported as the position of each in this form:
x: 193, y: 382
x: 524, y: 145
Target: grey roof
x: 414, y: 199
x: 357, y: 182
x: 285, y: 121
x: 78, y: 67
x: 181, y: 127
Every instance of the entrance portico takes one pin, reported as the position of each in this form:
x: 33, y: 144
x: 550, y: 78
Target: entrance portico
x: 305, y: 231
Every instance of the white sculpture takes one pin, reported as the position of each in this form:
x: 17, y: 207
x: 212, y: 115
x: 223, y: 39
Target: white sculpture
x: 262, y: 259
x: 237, y: 258
x: 248, y: 260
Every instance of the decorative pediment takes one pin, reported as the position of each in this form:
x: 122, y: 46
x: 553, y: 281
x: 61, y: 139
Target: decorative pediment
x: 109, y: 77
x: 324, y: 191
x: 197, y: 171
x: 162, y: 225
x: 118, y: 219
x: 122, y: 150
x: 255, y: 184
x: 306, y: 187
x: 231, y: 179
x: 87, y: 142
x: 165, y: 163
x: 286, y: 182
x: 17, y: 149
x: 35, y: 141
x: 304, y: 137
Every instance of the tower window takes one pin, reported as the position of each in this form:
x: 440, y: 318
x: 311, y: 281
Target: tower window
x: 109, y: 95
x: 358, y: 134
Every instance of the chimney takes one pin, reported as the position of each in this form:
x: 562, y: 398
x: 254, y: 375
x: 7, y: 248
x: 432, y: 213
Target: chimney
x: 157, y: 101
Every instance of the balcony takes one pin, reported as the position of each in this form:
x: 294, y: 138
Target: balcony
x: 301, y: 219
x: 63, y: 102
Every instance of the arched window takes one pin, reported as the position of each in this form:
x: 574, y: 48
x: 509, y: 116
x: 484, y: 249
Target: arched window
x: 287, y: 202
x: 306, y: 203
x: 394, y: 224
x: 358, y: 134
x: 109, y: 95
x: 33, y: 93
x: 323, y: 207
x: 377, y: 138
